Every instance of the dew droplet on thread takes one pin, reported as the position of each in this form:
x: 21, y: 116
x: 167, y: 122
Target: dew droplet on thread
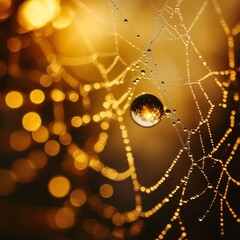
x: 135, y: 81
x: 146, y: 110
x: 168, y: 112
x: 149, y: 51
x: 210, y: 185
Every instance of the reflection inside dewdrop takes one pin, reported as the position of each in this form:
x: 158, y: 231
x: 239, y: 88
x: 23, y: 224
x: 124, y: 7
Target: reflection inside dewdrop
x: 146, y: 110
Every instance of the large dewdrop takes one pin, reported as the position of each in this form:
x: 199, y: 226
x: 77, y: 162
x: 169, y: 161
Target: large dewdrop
x: 146, y: 110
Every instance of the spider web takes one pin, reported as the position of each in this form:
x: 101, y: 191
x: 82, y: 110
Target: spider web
x: 185, y: 54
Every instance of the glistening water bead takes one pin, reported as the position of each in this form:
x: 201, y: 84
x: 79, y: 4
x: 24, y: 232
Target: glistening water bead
x: 146, y: 110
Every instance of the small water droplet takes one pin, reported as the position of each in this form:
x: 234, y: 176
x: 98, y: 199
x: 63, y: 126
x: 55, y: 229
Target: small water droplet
x: 146, y: 110
x: 138, y: 36
x: 210, y: 185
x: 135, y: 81
x: 125, y: 20
x: 149, y: 51
x: 168, y: 112
x: 143, y: 72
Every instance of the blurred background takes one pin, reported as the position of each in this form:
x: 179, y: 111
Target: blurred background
x: 74, y: 165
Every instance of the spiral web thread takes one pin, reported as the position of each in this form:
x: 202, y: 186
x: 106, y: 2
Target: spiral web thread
x: 114, y: 109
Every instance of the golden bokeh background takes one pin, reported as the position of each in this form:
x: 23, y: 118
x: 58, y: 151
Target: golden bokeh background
x: 73, y: 163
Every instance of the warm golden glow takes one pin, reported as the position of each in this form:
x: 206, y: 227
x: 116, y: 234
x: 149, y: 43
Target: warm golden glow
x: 236, y: 97
x: 34, y: 14
x: 14, y: 44
x: 76, y: 121
x: 37, y: 96
x: 58, y: 128
x: 45, y: 80
x: 73, y: 96
x: 78, y: 197
x: 5, y: 9
x: 59, y: 186
x: 24, y: 170
x: 31, y: 121
x: 52, y: 147
x: 79, y: 146
x: 14, y: 99
x: 65, y: 18
x: 20, y: 140
x: 104, y: 125
x: 100, y: 144
x: 118, y: 219
x: 81, y: 161
x: 65, y: 138
x: 86, y: 119
x: 106, y: 190
x: 65, y: 218
x: 57, y: 95
x: 41, y: 134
